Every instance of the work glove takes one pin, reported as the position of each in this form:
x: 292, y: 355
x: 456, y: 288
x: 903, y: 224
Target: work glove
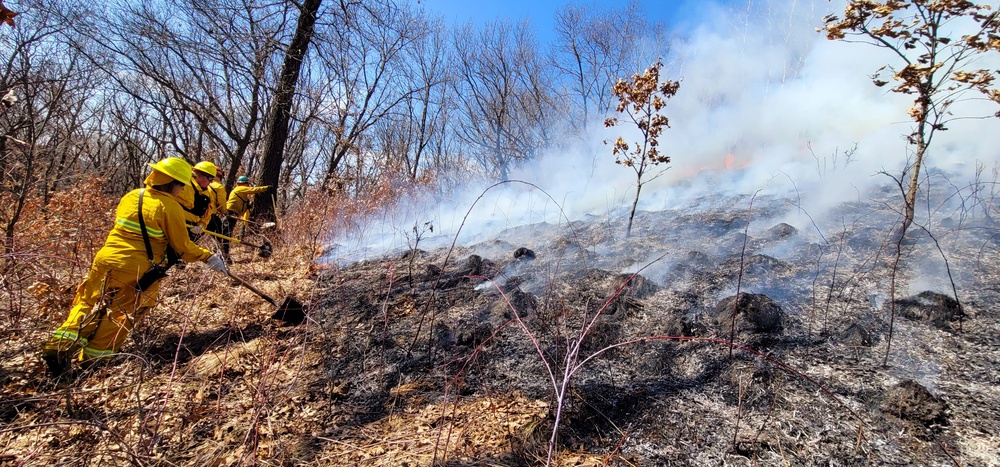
x: 217, y: 264
x: 195, y: 229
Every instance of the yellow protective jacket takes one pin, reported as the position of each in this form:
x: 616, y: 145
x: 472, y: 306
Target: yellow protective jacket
x: 239, y: 199
x: 164, y: 218
x: 220, y: 200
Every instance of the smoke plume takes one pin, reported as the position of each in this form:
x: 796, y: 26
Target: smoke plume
x: 767, y: 106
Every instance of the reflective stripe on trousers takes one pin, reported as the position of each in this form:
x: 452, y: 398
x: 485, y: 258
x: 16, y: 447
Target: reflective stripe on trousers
x: 89, y: 353
x: 69, y: 335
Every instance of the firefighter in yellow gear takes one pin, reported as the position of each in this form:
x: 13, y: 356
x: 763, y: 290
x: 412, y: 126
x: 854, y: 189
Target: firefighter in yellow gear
x: 118, y: 292
x: 205, y: 198
x: 216, y: 191
x: 219, y: 222
x: 197, y: 199
x: 187, y: 198
x: 241, y: 198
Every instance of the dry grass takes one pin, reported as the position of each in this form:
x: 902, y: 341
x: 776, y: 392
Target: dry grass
x: 470, y: 433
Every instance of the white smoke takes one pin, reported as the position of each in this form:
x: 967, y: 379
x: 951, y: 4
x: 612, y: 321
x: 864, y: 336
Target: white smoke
x: 766, y: 105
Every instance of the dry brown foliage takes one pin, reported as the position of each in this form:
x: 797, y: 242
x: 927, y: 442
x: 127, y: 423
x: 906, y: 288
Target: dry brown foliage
x: 6, y: 15
x: 641, y: 101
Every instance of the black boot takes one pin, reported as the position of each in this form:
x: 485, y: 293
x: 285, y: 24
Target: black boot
x: 57, y: 363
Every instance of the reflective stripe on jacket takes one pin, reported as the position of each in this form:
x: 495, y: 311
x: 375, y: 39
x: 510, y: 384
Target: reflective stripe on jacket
x: 135, y: 227
x: 68, y: 335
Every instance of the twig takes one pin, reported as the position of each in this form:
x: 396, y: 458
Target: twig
x: 739, y: 278
x: 945, y: 451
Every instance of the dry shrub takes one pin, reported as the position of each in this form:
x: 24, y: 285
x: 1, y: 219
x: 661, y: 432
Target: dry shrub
x: 52, y: 247
x: 75, y: 220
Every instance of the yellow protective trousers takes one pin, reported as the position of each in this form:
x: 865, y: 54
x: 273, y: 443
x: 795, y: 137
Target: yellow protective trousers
x: 106, y: 308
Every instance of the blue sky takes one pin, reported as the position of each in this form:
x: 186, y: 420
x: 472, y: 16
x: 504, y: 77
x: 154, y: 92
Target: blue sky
x: 678, y: 13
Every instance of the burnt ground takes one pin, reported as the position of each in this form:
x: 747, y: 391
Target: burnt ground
x: 459, y: 356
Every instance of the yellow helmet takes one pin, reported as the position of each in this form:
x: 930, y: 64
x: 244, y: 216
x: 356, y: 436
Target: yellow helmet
x: 206, y: 167
x: 177, y: 168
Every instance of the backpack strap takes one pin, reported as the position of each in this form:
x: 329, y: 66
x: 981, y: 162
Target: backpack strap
x: 142, y: 226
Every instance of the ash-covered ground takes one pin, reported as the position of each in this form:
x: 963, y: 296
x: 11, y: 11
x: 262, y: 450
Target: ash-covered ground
x: 656, y: 362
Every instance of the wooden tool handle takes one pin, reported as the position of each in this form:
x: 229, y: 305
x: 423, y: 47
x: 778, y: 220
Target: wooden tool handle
x: 253, y: 289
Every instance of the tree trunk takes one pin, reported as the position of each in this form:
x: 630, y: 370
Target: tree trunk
x: 340, y: 150
x: 910, y: 201
x: 422, y: 135
x: 274, y: 148
x: 635, y: 203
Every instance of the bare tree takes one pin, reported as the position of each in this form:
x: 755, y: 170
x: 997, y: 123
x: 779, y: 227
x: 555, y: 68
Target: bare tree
x: 126, y: 130
x: 46, y: 88
x: 281, y: 107
x: 425, y: 109
x: 536, y: 101
x: 597, y: 46
x: 503, y: 93
x: 201, y: 66
x: 368, y: 73
x: 305, y: 150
